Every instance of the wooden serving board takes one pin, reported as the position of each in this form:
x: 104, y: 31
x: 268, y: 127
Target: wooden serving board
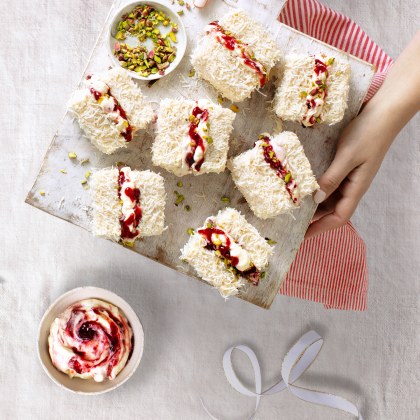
x: 66, y: 198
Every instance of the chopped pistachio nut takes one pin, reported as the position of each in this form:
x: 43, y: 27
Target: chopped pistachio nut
x: 41, y: 192
x: 191, y: 73
x: 234, y: 108
x: 287, y: 177
x: 143, y: 23
x: 270, y: 241
x: 220, y: 99
x: 180, y: 13
x: 303, y: 94
x: 263, y: 274
x: 83, y: 182
x: 72, y: 155
x: 88, y: 174
x: 83, y: 161
x: 225, y: 199
x: 63, y: 171
x: 187, y: 207
x: 179, y: 198
x: 190, y: 231
x: 179, y: 184
x: 181, y: 2
x: 128, y: 243
x: 86, y: 187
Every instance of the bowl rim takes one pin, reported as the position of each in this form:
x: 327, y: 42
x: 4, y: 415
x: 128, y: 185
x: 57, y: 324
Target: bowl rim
x: 181, y: 28
x: 96, y: 294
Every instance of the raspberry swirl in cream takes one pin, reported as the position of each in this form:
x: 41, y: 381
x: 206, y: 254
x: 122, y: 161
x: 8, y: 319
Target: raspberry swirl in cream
x: 91, y: 339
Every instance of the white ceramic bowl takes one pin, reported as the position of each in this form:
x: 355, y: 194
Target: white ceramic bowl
x: 181, y: 35
x: 88, y: 386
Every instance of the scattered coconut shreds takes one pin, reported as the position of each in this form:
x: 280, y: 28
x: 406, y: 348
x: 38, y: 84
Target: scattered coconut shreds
x: 60, y: 204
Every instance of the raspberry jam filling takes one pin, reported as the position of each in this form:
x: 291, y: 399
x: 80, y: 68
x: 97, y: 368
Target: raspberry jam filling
x: 275, y: 156
x: 236, y: 259
x: 109, y: 104
x: 316, y: 97
x: 131, y: 212
x: 238, y: 48
x: 197, y: 138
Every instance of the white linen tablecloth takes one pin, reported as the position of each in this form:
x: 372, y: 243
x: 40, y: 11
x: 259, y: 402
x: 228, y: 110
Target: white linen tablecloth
x: 371, y: 358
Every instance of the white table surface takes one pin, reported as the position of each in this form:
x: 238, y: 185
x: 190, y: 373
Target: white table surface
x: 370, y: 358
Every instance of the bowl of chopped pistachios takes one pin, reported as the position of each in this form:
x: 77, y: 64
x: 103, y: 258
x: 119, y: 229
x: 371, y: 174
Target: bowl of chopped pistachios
x: 148, y: 39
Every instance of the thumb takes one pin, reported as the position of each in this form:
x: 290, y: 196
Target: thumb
x: 332, y: 178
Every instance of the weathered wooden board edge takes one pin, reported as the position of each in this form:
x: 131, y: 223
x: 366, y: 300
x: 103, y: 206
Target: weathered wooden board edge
x: 264, y: 302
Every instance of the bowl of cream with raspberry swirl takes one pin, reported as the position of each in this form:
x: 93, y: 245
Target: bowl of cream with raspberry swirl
x: 90, y: 340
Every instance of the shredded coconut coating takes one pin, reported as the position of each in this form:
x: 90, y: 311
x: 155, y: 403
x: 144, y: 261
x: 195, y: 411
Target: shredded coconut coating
x: 172, y: 126
x: 263, y: 190
x: 289, y: 105
x: 107, y: 205
x: 130, y: 97
x: 211, y: 268
x: 227, y: 73
x: 94, y: 122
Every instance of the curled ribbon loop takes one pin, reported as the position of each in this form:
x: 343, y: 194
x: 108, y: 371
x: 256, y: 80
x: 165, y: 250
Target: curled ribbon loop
x: 295, y: 363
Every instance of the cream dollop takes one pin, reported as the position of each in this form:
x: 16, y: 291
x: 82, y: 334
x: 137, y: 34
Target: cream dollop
x: 91, y: 339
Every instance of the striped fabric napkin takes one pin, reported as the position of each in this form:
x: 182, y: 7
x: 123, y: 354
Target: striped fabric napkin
x: 331, y: 268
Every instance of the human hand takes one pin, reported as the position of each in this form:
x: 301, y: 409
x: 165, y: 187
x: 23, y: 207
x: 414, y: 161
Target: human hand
x: 365, y: 141
x: 359, y: 155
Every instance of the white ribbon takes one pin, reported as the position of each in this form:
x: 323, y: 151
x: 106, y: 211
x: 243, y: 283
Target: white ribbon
x: 297, y: 360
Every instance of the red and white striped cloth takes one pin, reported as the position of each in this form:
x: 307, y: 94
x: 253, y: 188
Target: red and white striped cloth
x: 331, y: 268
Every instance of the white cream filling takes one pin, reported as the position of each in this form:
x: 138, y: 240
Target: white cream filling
x: 127, y: 205
x: 316, y: 110
x: 238, y: 48
x: 186, y: 143
x: 107, y: 104
x: 244, y: 259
